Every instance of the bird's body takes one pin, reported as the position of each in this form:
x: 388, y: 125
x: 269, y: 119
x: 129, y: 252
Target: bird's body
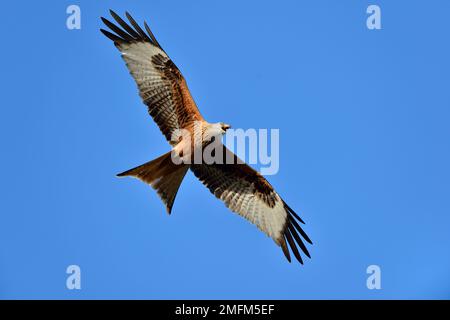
x: 164, y: 90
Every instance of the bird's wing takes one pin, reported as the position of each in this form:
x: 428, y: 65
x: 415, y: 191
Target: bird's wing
x: 246, y: 192
x: 161, y: 85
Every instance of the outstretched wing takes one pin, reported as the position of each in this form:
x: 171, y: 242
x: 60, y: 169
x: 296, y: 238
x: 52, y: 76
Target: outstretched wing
x: 161, y: 85
x: 246, y: 192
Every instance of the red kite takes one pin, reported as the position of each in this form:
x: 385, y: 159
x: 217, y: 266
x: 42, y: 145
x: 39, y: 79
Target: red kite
x: 163, y: 89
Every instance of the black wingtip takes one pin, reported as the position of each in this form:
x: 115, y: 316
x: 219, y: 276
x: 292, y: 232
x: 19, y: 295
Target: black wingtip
x: 299, y: 229
x: 128, y: 15
x: 289, y: 209
x: 123, y: 32
x: 294, y: 234
x: 298, y: 240
x: 294, y: 249
x: 285, y: 249
x: 138, y: 29
x: 111, y: 36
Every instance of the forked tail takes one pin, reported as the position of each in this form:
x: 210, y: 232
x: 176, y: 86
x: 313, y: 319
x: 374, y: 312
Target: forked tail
x: 163, y: 175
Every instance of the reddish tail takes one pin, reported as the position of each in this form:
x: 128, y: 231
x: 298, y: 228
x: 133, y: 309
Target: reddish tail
x: 163, y: 175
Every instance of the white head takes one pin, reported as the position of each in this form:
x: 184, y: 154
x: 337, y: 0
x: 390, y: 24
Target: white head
x: 216, y: 130
x: 224, y: 127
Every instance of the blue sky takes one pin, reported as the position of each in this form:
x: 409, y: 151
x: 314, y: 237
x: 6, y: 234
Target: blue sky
x: 364, y: 151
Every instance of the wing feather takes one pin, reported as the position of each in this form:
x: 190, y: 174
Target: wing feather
x: 246, y: 192
x: 124, y: 25
x: 141, y: 32
x: 161, y: 85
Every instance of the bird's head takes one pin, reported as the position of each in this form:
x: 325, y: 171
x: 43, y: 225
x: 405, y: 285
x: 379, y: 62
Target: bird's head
x: 224, y: 127
x: 215, y: 130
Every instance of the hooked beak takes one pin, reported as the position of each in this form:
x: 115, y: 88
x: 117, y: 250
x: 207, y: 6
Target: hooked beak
x: 226, y: 126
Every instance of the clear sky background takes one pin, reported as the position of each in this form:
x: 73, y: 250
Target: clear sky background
x: 364, y: 156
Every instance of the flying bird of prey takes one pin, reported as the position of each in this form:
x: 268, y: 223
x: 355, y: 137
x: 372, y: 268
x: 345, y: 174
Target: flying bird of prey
x: 164, y: 91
